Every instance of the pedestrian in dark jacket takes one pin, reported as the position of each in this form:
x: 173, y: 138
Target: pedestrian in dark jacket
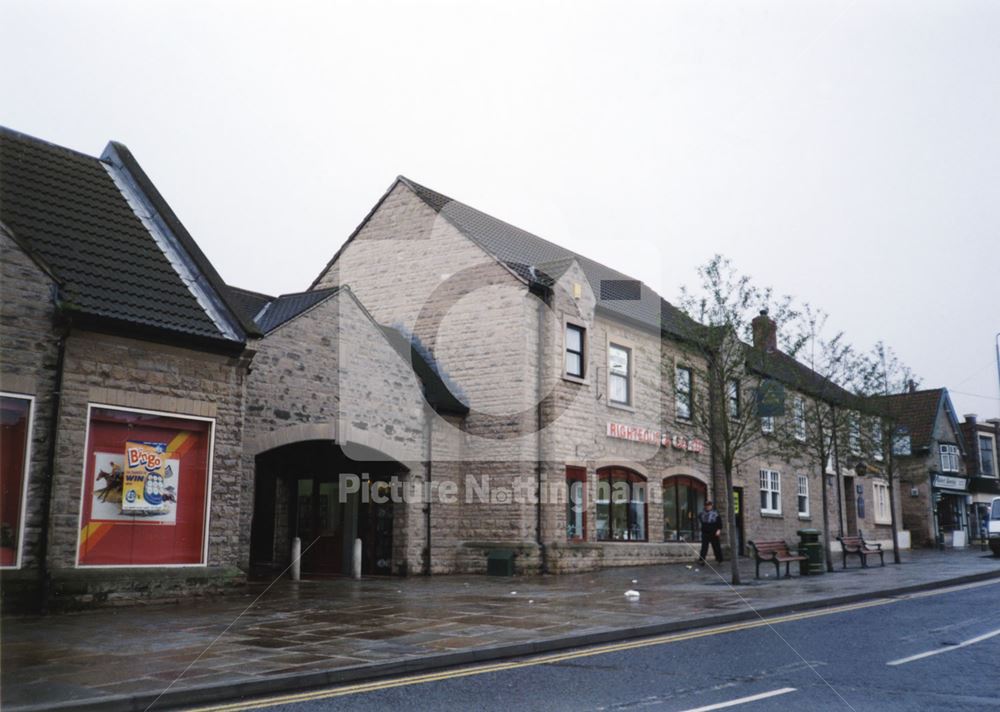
x: 711, y: 532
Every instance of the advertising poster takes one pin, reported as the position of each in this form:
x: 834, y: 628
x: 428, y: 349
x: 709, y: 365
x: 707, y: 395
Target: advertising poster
x: 145, y: 494
x: 109, y: 491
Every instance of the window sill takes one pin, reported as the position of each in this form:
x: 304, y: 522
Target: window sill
x: 805, y: 517
x: 772, y: 515
x: 621, y: 406
x: 576, y: 380
x: 684, y: 421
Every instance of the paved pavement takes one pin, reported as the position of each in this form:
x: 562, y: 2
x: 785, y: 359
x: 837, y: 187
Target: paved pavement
x: 314, y: 633
x: 880, y: 655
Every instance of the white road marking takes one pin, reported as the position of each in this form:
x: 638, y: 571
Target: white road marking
x: 743, y: 700
x: 929, y: 653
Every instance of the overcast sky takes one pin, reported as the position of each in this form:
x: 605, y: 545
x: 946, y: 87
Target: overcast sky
x: 846, y: 153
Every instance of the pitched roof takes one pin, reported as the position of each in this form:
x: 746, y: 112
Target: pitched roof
x: 527, y: 255
x: 798, y: 376
x: 918, y: 411
x: 288, y: 306
x: 69, y: 210
x: 247, y: 302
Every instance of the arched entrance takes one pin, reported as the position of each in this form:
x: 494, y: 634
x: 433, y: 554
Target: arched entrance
x: 683, y: 498
x: 314, y: 491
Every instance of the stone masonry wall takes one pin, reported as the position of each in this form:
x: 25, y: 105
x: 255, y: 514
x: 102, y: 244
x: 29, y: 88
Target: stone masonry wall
x: 330, y: 374
x: 28, y: 362
x: 128, y: 373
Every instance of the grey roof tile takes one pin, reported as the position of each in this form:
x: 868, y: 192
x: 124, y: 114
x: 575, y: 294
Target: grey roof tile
x: 67, y: 208
x: 521, y: 251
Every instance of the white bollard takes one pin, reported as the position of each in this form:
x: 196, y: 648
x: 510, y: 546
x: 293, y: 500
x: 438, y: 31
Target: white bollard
x: 356, y: 560
x: 296, y: 558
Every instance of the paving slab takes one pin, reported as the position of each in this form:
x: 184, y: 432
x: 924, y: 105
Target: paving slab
x: 295, y: 635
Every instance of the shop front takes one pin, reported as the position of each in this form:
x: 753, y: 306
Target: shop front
x: 951, y: 497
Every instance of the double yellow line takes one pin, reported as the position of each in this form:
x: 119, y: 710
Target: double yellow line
x: 541, y: 660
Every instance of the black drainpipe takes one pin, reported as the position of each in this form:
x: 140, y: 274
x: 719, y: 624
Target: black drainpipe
x: 45, y: 580
x: 545, y: 295
x: 836, y: 466
x: 429, y: 417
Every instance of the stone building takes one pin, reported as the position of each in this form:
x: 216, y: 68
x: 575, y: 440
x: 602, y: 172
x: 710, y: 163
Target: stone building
x: 933, y: 482
x: 580, y: 383
x: 118, y: 340
x: 449, y: 386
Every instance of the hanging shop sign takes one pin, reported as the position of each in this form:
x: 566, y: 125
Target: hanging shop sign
x: 649, y: 436
x: 946, y: 482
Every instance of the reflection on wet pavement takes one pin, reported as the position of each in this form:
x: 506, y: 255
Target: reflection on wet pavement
x: 338, y: 623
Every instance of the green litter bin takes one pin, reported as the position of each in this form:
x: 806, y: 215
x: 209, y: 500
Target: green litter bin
x: 500, y: 562
x: 810, y: 546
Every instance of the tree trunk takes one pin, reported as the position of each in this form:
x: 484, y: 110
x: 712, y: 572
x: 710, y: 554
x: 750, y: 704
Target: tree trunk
x: 892, y: 516
x: 826, y: 518
x: 734, y: 559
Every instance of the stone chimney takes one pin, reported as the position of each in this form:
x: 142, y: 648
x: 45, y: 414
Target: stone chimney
x: 970, y: 419
x: 911, y: 386
x: 765, y: 332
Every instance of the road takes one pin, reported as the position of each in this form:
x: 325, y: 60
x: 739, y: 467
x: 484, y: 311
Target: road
x: 932, y: 651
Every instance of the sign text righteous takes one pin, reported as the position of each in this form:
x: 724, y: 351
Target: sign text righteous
x: 649, y: 436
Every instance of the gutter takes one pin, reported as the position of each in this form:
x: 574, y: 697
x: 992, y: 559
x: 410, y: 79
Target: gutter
x: 44, y: 577
x: 545, y: 297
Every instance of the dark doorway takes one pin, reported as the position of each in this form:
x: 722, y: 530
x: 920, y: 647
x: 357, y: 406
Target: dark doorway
x: 301, y: 492
x: 683, y: 499
x: 850, y: 507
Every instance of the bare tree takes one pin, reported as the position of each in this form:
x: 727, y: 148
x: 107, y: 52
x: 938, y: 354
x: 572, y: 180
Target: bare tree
x: 725, y: 410
x: 884, y: 375
x: 830, y: 363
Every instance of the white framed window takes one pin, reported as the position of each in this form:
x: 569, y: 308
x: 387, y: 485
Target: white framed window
x: 620, y: 374
x: 17, y: 414
x: 733, y: 399
x: 803, y: 495
x: 770, y: 492
x: 767, y: 424
x: 880, y: 493
x: 949, y: 458
x: 682, y: 399
x: 799, y: 416
x: 987, y: 456
x: 575, y: 359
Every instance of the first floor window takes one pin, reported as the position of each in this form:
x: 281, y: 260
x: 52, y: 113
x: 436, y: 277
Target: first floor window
x: 576, y: 503
x: 799, y: 415
x: 733, y: 396
x: 145, y: 489
x: 949, y: 458
x: 683, y: 392
x: 876, y: 430
x: 987, y: 459
x: 880, y: 492
x: 574, y: 350
x: 621, y: 505
x: 619, y: 373
x: 803, y: 495
x: 15, y: 435
x: 854, y: 433
x: 683, y: 499
x: 770, y: 492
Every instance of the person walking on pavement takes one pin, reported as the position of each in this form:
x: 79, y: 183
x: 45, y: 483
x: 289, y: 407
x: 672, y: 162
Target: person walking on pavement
x: 711, y: 532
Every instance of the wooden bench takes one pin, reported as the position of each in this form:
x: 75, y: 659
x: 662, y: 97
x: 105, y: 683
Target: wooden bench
x: 776, y: 551
x: 857, y: 545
